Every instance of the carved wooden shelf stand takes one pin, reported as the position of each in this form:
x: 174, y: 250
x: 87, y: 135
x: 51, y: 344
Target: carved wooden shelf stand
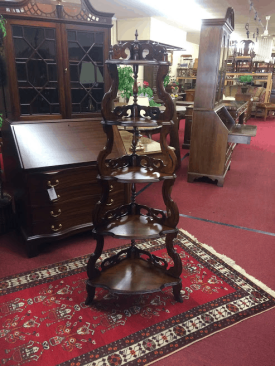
x: 134, y: 270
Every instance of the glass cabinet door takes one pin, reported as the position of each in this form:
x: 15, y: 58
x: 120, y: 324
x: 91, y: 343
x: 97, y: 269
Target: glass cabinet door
x: 36, y: 63
x: 86, y: 70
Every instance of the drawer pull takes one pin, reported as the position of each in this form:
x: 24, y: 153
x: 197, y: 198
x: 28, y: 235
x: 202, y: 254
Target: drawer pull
x: 111, y: 202
x: 111, y: 188
x: 56, y: 198
x: 59, y: 228
x: 56, y: 215
x: 53, y: 185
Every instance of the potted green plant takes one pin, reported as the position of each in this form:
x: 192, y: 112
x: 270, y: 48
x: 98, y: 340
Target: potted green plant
x: 146, y: 91
x: 170, y: 84
x: 125, y: 81
x: 244, y: 80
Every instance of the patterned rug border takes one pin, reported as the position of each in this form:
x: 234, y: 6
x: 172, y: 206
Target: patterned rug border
x: 220, y: 264
x: 227, y: 263
x: 199, y: 340
x: 231, y: 263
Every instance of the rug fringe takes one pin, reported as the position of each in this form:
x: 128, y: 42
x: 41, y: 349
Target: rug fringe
x: 232, y: 263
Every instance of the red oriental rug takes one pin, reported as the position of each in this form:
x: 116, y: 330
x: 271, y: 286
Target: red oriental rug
x: 44, y: 320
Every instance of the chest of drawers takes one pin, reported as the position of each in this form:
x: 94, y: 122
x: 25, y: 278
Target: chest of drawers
x: 51, y: 172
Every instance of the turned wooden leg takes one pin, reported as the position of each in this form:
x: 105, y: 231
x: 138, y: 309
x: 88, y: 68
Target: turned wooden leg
x: 176, y: 292
x: 91, y: 294
x: 265, y: 114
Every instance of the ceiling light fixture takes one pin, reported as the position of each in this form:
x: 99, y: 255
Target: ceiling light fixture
x: 175, y: 11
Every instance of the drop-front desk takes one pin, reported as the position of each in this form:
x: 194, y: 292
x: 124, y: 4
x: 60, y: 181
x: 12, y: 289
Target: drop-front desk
x: 51, y: 170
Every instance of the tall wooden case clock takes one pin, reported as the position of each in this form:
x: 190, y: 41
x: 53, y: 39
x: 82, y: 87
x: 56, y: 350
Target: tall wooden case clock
x: 214, y: 133
x: 134, y: 270
x: 55, y: 53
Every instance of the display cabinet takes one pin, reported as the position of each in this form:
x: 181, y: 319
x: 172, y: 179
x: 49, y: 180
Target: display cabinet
x: 54, y: 54
x: 214, y: 132
x: 134, y: 270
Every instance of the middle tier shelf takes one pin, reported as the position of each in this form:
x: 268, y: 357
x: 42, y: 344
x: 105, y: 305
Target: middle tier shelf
x: 134, y: 227
x: 137, y: 175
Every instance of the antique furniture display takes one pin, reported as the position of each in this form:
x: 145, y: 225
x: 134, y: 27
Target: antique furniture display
x: 55, y: 54
x: 134, y: 270
x: 260, y: 80
x: 186, y: 82
x: 51, y: 169
x: 214, y: 132
x: 241, y: 97
x: 266, y: 109
x: 238, y: 110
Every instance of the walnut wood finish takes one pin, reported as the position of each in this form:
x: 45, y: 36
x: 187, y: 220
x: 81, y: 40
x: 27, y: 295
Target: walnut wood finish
x: 60, y: 154
x: 213, y: 135
x: 126, y: 271
x: 188, y: 127
x: 60, y: 18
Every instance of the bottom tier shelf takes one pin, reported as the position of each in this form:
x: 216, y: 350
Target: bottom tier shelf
x: 135, y: 276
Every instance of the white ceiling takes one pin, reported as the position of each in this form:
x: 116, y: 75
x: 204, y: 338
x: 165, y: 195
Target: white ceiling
x: 213, y: 8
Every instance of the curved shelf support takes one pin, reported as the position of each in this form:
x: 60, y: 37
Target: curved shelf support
x: 168, y: 114
x: 100, y: 206
x: 92, y: 271
x: 171, y: 207
x: 102, y: 167
x: 106, y: 106
x: 176, y: 270
x: 168, y: 154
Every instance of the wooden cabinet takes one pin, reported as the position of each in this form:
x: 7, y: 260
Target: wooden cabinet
x: 214, y: 132
x: 52, y: 173
x: 55, y: 59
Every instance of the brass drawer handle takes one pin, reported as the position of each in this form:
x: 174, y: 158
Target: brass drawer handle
x: 53, y: 185
x: 56, y: 215
x: 111, y: 202
x: 59, y: 228
x: 111, y: 188
x: 56, y: 198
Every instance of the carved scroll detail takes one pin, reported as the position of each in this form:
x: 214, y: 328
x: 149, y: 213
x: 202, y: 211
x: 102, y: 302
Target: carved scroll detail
x: 171, y: 207
x: 136, y: 51
x: 176, y: 270
x: 167, y: 115
x: 106, y: 105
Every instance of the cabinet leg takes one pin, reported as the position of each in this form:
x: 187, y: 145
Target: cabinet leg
x: 220, y: 182
x: 176, y: 292
x: 32, y: 250
x: 91, y: 294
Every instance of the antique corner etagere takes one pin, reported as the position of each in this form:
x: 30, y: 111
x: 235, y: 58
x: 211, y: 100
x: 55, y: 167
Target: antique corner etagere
x: 54, y: 55
x: 214, y: 132
x: 133, y: 270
